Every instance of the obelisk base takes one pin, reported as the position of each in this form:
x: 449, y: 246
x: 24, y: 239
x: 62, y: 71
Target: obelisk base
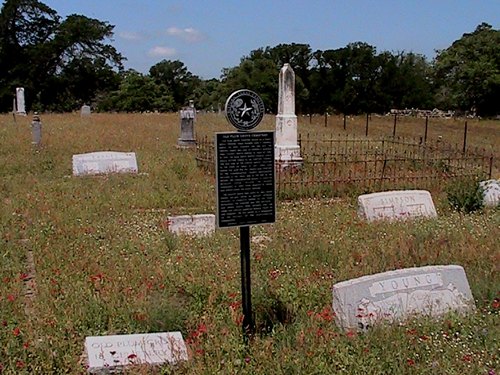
x: 287, y: 157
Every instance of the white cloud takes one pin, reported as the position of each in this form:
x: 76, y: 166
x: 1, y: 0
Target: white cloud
x: 188, y: 34
x: 127, y: 35
x: 160, y: 51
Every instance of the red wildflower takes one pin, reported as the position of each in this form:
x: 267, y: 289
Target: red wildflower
x: 235, y: 305
x: 97, y: 277
x: 23, y: 276
x: 327, y: 314
x: 11, y: 298
x: 19, y: 364
x: 467, y: 358
x: 16, y: 331
x: 496, y: 303
x: 202, y: 328
x: 140, y: 317
x: 410, y: 362
x: 26, y: 345
x: 273, y: 274
x: 351, y: 334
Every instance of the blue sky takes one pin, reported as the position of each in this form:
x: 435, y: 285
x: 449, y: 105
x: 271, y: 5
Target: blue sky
x: 209, y: 35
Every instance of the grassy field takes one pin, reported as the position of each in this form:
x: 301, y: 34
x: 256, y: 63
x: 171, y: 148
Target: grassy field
x: 91, y: 256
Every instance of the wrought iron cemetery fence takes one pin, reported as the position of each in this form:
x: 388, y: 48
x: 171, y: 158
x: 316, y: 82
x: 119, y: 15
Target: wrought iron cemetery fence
x: 335, y: 166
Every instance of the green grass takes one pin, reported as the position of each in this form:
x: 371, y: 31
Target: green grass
x: 105, y: 264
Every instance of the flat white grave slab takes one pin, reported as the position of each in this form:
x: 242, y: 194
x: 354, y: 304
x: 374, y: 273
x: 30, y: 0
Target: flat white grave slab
x: 400, y: 294
x: 491, y: 192
x: 106, y: 353
x: 198, y: 225
x: 396, y: 205
x: 104, y: 162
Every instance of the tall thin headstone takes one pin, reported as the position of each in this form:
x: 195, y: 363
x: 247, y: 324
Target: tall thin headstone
x: 36, y: 130
x: 287, y: 150
x: 20, y: 106
x: 188, y: 115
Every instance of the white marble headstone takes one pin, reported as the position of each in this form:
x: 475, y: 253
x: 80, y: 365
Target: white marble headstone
x: 104, y: 162
x: 399, y: 295
x: 85, y: 111
x: 108, y: 353
x: 396, y: 205
x: 20, y: 104
x: 197, y: 225
x: 491, y: 192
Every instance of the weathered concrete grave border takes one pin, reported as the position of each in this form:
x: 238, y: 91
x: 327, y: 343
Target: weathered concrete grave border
x: 194, y: 225
x: 396, y: 205
x: 108, y: 353
x: 104, y: 162
x: 400, y: 294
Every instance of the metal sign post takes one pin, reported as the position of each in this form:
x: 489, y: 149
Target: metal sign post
x: 245, y: 180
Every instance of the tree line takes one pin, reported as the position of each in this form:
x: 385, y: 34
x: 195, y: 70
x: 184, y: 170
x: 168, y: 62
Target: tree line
x: 65, y: 63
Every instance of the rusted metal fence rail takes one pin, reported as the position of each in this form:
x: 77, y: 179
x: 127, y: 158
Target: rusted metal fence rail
x: 334, y: 166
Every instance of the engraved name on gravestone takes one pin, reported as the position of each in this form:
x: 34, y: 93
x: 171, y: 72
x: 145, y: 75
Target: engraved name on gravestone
x: 245, y: 178
x: 244, y: 109
x: 104, y: 162
x: 198, y: 225
x: 396, y: 205
x: 491, y: 192
x: 398, y: 295
x: 108, y: 353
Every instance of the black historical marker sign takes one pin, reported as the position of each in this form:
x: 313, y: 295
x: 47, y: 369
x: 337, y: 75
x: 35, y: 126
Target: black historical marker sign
x: 244, y: 109
x: 245, y: 178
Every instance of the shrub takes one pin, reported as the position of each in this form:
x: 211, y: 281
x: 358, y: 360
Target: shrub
x: 465, y: 195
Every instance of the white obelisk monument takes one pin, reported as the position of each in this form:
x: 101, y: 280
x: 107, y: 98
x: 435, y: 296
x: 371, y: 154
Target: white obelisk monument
x: 287, y: 150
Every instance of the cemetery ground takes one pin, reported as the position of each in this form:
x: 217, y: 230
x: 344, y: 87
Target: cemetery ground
x: 89, y: 256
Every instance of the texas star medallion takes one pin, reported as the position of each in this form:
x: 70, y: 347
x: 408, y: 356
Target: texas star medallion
x: 244, y: 109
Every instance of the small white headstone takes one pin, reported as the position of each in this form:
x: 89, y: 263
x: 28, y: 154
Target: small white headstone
x: 104, y: 162
x: 20, y: 106
x: 398, y: 295
x: 85, y: 111
x: 108, y: 353
x: 198, y: 225
x: 491, y: 192
x: 396, y: 205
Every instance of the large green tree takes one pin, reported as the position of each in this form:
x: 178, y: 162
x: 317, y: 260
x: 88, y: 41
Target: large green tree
x: 46, y: 55
x: 468, y: 72
x: 175, y: 76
